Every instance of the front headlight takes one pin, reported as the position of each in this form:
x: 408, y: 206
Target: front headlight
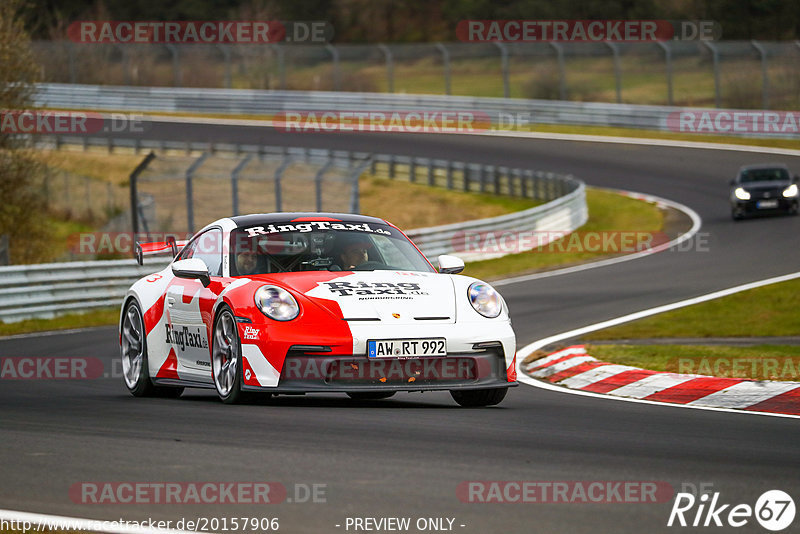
x: 790, y: 191
x: 276, y: 303
x: 485, y: 299
x: 741, y: 194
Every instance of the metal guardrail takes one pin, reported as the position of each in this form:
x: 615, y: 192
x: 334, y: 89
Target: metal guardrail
x: 52, y: 289
x: 48, y: 290
x: 502, y: 112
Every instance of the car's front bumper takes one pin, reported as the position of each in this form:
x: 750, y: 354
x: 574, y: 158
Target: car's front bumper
x: 314, y: 373
x: 750, y: 207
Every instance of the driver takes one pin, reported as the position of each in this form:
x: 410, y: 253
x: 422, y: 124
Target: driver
x: 246, y: 262
x: 354, y: 250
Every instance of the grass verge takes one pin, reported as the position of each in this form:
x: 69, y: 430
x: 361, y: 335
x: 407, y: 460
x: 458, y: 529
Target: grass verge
x: 608, y: 212
x: 102, y: 317
x: 760, y: 362
x: 765, y: 311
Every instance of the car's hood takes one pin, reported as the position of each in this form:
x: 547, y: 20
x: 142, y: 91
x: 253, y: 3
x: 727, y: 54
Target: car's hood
x: 772, y: 184
x: 391, y: 296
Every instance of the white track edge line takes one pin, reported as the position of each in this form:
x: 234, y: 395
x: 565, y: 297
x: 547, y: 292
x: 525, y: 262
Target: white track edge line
x: 697, y: 223
x: 525, y: 351
x: 81, y: 524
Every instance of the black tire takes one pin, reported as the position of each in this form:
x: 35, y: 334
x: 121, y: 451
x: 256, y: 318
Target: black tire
x: 736, y: 215
x: 479, y: 397
x: 137, y: 376
x: 226, y: 351
x: 370, y: 395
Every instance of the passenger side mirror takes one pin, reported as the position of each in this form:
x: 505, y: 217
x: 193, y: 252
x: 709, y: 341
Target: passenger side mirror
x: 450, y: 264
x: 193, y: 268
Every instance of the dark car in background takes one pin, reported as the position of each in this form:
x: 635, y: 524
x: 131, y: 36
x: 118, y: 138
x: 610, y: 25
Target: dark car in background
x: 764, y: 189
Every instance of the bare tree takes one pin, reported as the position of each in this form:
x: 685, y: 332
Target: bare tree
x: 22, y: 206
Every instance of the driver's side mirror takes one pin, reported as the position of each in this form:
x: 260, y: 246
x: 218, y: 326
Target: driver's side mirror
x: 193, y: 268
x: 450, y: 264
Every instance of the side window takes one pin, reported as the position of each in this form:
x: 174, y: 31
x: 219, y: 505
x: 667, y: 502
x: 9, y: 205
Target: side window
x: 207, y: 247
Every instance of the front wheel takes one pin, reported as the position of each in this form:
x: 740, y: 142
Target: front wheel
x: 479, y: 397
x: 226, y: 358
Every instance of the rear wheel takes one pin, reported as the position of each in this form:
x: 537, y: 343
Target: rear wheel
x: 226, y: 358
x: 135, y: 369
x: 479, y: 397
x: 370, y: 395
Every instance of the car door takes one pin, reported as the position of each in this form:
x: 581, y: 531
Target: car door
x: 189, y: 304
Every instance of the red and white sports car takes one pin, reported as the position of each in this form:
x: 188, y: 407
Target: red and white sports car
x: 313, y: 302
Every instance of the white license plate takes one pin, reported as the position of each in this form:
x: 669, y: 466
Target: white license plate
x: 767, y: 204
x: 406, y: 348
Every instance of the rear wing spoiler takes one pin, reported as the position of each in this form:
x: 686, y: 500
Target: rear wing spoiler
x: 170, y: 246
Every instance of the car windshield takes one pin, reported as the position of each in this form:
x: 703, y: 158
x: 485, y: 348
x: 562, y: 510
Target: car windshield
x: 322, y: 246
x: 765, y: 175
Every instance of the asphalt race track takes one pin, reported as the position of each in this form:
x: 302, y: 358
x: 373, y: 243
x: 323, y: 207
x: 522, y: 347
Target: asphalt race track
x: 405, y: 457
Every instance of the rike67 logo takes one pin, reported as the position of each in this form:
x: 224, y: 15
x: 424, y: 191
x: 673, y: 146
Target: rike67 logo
x: 774, y: 510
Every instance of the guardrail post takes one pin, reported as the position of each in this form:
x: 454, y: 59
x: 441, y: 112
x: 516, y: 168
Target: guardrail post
x: 389, y: 66
x: 562, y: 70
x: 88, y: 191
x: 449, y: 174
x: 126, y: 64
x: 668, y: 65
x: 226, y: 57
x: 715, y: 59
x: 391, y: 166
x: 281, y: 65
x: 73, y: 76
x: 764, y: 74
x: 526, y: 181
x: 176, y: 66
x: 4, y: 255
x: 235, y: 182
x: 318, y: 182
x: 134, y: 194
x: 190, y: 192
x: 354, y: 198
x: 496, y: 180
x: 446, y: 64
x: 617, y: 70
x: 287, y: 160
x: 431, y: 175
x: 483, y: 179
x: 412, y: 170
x: 335, y: 57
x: 504, y: 66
